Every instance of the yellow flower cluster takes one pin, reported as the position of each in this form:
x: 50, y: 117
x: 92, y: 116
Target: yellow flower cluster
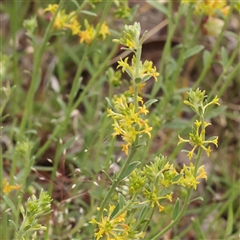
x: 69, y: 21
x: 7, y: 188
x: 212, y: 24
x: 114, y: 227
x: 196, y: 139
x: 188, y: 179
x: 209, y: 7
x: 154, y: 198
x: 146, y: 70
x: 128, y: 122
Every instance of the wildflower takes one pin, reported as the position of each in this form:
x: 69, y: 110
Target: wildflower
x: 51, y: 8
x: 64, y: 21
x: 209, y: 7
x: 110, y: 227
x: 196, y: 100
x: 7, y: 188
x: 196, y: 139
x: 73, y: 24
x: 90, y: 33
x: 211, y: 24
x: 127, y: 121
x: 104, y: 30
x: 154, y: 198
x: 188, y: 179
x: 131, y: 35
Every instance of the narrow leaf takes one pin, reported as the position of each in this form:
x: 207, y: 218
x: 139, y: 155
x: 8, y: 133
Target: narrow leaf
x: 176, y: 178
x: 197, y: 198
x: 150, y: 102
x: 206, y: 57
x: 115, y: 211
x: 107, y: 175
x: 193, y: 51
x: 121, y: 200
x: 10, y: 203
x: 224, y: 56
x: 130, y: 168
x: 159, y: 6
x: 89, y: 13
x: 176, y: 209
x: 230, y: 220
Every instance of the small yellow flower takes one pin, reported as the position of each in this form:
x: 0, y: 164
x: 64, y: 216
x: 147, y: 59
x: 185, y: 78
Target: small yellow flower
x: 128, y: 122
x: 110, y: 227
x: 197, y: 139
x: 104, y: 30
x: 202, y: 173
x: 7, y: 188
x: 51, y: 8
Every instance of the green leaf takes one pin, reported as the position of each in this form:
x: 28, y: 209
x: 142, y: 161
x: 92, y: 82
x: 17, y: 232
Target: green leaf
x: 121, y: 200
x: 159, y: 6
x: 216, y: 112
x: 193, y: 51
x: 10, y: 204
x: 76, y: 3
x: 150, y: 102
x: 130, y: 168
x: 230, y: 220
x: 176, y: 178
x: 206, y: 57
x: 176, y: 209
x: 107, y: 175
x: 13, y: 225
x: 137, y: 80
x: 197, y: 198
x: 89, y: 13
x: 224, y: 57
x: 115, y: 211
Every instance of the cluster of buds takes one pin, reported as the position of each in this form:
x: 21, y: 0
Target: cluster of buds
x: 197, y: 101
x: 35, y: 208
x: 156, y: 179
x: 212, y: 24
x: 65, y: 21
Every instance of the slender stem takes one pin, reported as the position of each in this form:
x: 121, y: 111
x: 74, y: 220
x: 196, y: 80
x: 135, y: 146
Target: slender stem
x: 167, y: 47
x: 149, y: 218
x: 36, y: 75
x: 15, y: 60
x: 186, y: 202
x: 116, y: 181
x: 136, y: 75
x: 226, y: 68
x: 122, y: 210
x: 214, y: 51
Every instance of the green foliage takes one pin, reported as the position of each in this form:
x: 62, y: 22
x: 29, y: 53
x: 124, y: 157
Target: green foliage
x: 93, y: 102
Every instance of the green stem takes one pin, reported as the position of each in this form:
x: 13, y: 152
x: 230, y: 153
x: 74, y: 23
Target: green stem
x: 223, y: 74
x: 122, y: 210
x: 149, y: 218
x: 15, y: 60
x: 228, y: 80
x: 214, y: 51
x: 36, y: 76
x: 167, y: 47
x: 185, y: 205
x: 136, y: 76
x: 116, y: 181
